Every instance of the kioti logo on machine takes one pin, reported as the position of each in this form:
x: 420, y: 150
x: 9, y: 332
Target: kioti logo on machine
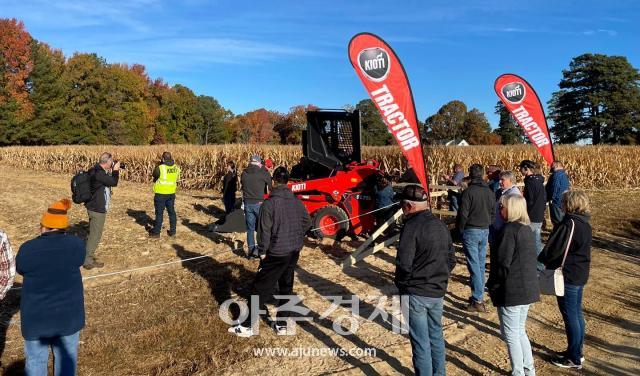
x: 514, y: 92
x: 374, y: 63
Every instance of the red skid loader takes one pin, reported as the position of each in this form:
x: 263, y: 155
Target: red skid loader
x: 332, y: 181
x: 337, y: 187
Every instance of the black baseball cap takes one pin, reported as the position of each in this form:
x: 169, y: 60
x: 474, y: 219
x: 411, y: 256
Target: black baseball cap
x: 413, y: 192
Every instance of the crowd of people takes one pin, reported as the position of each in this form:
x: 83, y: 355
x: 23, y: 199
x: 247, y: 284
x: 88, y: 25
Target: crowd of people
x: 492, y: 213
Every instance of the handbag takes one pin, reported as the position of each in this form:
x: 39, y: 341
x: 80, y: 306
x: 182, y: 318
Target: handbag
x: 551, y: 280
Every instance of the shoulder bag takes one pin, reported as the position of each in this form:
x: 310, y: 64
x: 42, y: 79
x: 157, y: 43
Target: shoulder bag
x: 551, y: 280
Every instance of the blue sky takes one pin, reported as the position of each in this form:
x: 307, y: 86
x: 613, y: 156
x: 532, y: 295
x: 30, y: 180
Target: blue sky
x: 277, y: 54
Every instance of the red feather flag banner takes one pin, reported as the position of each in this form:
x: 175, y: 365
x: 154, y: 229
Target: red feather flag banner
x: 386, y: 82
x: 523, y: 103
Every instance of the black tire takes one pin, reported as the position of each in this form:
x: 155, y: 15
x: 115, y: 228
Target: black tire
x: 323, y: 217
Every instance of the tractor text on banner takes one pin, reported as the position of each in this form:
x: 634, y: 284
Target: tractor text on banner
x: 523, y: 103
x: 386, y: 82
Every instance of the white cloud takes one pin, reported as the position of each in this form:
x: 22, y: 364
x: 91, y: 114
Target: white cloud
x: 180, y: 54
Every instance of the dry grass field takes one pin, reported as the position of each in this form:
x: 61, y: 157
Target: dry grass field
x: 164, y: 320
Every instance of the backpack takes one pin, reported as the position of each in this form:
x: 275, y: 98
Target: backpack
x: 81, y: 187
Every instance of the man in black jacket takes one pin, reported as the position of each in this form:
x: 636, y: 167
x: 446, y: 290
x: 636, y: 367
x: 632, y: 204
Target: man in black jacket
x: 255, y: 182
x: 283, y: 223
x: 424, y: 260
x: 104, y: 176
x: 536, y: 196
x: 476, y: 214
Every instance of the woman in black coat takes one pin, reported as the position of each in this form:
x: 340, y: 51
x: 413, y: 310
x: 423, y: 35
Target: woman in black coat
x: 229, y: 188
x: 513, y: 281
x: 575, y: 232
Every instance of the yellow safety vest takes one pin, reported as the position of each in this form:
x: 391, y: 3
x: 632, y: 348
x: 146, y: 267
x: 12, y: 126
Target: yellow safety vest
x: 167, y: 182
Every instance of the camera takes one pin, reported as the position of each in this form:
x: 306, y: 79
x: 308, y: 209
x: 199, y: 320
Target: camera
x: 122, y: 165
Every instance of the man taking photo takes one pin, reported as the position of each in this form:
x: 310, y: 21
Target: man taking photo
x: 104, y: 176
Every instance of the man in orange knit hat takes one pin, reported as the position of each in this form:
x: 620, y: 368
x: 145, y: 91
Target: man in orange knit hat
x: 52, y: 301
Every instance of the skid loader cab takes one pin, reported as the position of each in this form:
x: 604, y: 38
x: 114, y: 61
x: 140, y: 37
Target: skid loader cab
x: 332, y: 140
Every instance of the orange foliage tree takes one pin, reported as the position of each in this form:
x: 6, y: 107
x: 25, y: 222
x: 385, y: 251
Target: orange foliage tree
x: 15, y: 66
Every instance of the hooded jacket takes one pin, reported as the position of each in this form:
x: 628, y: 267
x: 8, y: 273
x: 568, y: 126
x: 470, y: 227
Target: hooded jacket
x: 576, y: 266
x: 283, y: 223
x: 534, y: 193
x: 477, y: 206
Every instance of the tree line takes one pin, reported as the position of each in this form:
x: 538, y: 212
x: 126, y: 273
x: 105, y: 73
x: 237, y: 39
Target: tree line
x: 48, y: 98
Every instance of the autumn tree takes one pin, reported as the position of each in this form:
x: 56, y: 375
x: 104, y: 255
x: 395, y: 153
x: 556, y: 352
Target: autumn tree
x: 211, y: 128
x: 126, y: 114
x: 291, y: 125
x: 453, y: 122
x: 256, y: 127
x: 448, y: 123
x: 15, y: 67
x: 179, y: 115
x: 477, y: 130
x: 84, y: 80
x: 46, y: 98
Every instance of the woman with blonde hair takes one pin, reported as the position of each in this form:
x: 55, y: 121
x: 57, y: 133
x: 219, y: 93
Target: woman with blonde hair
x: 573, y: 236
x: 513, y: 281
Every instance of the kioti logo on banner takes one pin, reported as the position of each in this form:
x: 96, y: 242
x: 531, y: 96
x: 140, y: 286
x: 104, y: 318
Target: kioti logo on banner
x: 374, y: 63
x: 524, y: 105
x: 514, y: 92
x: 383, y: 76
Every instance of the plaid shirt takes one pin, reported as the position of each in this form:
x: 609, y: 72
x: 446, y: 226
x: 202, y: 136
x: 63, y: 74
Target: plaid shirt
x: 7, y: 265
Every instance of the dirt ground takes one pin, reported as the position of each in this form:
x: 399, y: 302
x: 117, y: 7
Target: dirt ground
x: 164, y: 321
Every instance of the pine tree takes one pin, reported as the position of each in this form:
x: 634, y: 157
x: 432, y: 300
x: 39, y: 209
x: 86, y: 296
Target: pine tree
x: 599, y: 99
x: 509, y: 131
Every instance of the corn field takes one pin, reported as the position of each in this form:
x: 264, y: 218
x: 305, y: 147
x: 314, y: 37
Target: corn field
x: 589, y: 167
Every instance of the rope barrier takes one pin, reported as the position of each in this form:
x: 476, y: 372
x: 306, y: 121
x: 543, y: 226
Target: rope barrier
x: 155, y: 266
x: 237, y: 249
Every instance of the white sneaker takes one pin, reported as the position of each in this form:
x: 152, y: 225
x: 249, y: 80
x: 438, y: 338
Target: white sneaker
x: 241, y: 331
x: 282, y: 330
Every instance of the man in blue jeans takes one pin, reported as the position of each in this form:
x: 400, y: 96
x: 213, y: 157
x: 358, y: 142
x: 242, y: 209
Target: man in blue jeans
x: 165, y: 178
x: 424, y: 260
x: 52, y: 301
x: 256, y: 182
x: 476, y: 214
